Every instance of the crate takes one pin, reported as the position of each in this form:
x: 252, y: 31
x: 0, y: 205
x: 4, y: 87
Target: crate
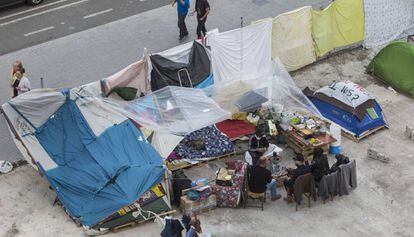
x: 189, y: 207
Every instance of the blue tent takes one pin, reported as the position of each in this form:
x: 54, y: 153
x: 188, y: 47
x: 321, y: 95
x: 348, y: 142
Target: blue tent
x: 372, y: 119
x: 93, y: 175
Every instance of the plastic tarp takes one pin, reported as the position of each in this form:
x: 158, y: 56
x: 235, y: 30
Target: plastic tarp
x: 174, y: 110
x: 394, y: 65
x: 347, y: 92
x: 243, y: 53
x: 165, y: 143
x: 387, y: 20
x: 286, y: 95
x: 136, y: 75
x: 292, y: 40
x: 167, y: 72
x: 97, y: 175
x: 339, y: 24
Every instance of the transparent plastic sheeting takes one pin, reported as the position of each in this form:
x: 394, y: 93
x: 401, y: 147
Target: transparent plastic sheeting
x: 174, y: 110
x: 280, y: 90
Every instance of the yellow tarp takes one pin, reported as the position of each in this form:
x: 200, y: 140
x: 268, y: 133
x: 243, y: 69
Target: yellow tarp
x: 292, y: 39
x: 339, y: 24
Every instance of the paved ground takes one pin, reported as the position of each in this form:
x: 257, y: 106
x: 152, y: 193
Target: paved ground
x: 22, y: 26
x: 381, y: 206
x: 93, y: 54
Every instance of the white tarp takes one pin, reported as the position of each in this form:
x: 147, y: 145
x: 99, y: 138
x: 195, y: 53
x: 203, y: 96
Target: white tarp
x: 347, y: 92
x: 165, y: 143
x: 387, y: 20
x: 241, y: 54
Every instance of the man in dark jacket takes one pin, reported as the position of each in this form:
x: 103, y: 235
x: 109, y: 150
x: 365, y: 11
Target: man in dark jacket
x: 320, y: 164
x: 293, y: 174
x: 261, y: 180
x: 202, y: 7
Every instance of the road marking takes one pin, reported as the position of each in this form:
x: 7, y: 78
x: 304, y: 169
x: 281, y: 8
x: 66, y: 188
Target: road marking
x: 98, y: 13
x: 32, y: 9
x: 43, y: 12
x: 38, y: 31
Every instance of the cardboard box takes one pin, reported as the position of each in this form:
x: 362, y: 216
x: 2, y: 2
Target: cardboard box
x: 189, y: 207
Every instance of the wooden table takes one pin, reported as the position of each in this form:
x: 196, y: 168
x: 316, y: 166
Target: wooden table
x: 303, y: 146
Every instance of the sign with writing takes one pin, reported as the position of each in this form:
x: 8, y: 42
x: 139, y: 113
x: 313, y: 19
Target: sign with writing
x: 347, y: 92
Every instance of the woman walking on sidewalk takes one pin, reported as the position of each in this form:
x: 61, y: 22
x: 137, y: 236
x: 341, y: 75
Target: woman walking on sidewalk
x: 17, y: 67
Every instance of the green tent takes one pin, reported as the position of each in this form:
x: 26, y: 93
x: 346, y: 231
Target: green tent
x: 394, y: 65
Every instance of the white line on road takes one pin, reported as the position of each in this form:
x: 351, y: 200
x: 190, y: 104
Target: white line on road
x: 32, y: 9
x: 38, y: 31
x: 41, y: 13
x: 98, y: 13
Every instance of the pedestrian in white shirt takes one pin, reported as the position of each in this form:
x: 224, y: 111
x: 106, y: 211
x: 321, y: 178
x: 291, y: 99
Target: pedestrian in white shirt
x: 24, y: 84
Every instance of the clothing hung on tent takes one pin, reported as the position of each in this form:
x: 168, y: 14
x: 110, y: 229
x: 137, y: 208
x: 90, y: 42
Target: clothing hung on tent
x: 166, y: 72
x: 136, y: 75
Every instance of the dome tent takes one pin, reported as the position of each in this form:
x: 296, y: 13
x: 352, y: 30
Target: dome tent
x: 350, y: 106
x: 394, y: 66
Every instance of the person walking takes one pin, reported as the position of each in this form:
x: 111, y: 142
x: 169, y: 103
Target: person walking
x: 182, y: 9
x: 202, y: 7
x: 24, y: 83
x: 17, y: 66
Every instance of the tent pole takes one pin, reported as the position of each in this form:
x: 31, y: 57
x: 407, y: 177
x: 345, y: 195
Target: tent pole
x: 241, y: 51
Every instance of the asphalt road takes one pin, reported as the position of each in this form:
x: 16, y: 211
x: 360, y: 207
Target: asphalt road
x: 22, y: 26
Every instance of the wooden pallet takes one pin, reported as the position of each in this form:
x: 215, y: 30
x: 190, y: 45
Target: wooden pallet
x: 365, y: 135
x: 306, y: 151
x: 188, y: 165
x: 135, y: 223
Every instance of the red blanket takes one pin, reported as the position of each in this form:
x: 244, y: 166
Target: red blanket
x: 236, y: 128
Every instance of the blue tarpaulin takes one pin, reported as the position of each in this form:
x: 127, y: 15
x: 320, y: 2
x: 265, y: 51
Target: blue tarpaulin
x: 348, y: 120
x: 97, y: 175
x: 209, y: 81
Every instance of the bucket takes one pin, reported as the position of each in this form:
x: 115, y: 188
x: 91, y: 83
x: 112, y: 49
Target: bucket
x: 335, y: 147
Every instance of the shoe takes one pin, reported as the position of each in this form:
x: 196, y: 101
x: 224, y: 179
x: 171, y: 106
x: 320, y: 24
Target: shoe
x: 276, y: 198
x: 288, y: 200
x: 181, y: 38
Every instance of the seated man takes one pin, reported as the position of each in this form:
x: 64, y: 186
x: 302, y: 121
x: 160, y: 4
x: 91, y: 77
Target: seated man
x: 293, y: 174
x: 320, y: 164
x: 340, y: 160
x: 261, y: 179
x: 258, y: 141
